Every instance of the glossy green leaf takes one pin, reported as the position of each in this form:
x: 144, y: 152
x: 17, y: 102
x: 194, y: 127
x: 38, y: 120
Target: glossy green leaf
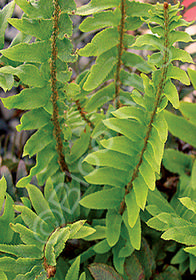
x: 172, y: 94
x: 100, y: 20
x: 96, y: 5
x: 181, y: 128
x: 73, y: 271
x: 106, y: 199
x: 101, y: 43
x: 3, y: 188
x: 5, y: 13
x: 39, y: 28
x: 192, y: 75
x: 132, y: 208
x: 34, y: 52
x: 105, y: 61
x: 113, y: 226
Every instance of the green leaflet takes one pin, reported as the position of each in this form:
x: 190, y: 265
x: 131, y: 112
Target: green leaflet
x: 134, y: 233
x: 34, y: 52
x: 3, y: 188
x: 23, y: 251
x: 120, y: 144
x: 102, y: 199
x: 191, y: 250
x: 131, y: 79
x: 184, y: 234
x: 28, y: 99
x: 188, y: 111
x: 101, y: 97
x: 49, y: 248
x: 33, y: 119
x: 41, y: 138
x: 108, y: 176
x: 99, y: 234
x: 36, y: 11
x: 5, y: 13
x: 35, y: 223
x: 110, y: 159
x: 80, y: 146
x: 100, y: 20
x: 3, y: 276
x: 176, y: 161
x: 178, y: 74
x: 40, y: 205
x: 27, y: 236
x: 192, y: 75
x: 6, y: 81
x: 178, y: 54
x: 151, y: 39
x: 102, y: 247
x: 39, y: 28
x: 138, y: 9
x: 113, y: 226
x: 28, y: 74
x: 102, y: 42
x: 5, y: 220
x: 176, y: 36
x: 44, y: 157
x: 83, y: 232
x: 96, y: 5
x: 132, y: 208
x: 53, y: 201
x: 20, y: 265
x: 172, y: 94
x: 105, y: 61
x: 130, y: 112
x: 181, y: 128
x: 73, y: 271
x: 133, y: 60
x: 188, y: 203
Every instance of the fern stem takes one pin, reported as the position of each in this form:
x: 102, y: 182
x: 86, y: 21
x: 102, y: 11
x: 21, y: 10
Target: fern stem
x: 120, y: 52
x: 83, y: 114
x: 54, y: 96
x: 156, y: 104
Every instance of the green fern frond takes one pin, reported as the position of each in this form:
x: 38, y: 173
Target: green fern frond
x: 43, y: 234
x: 132, y: 158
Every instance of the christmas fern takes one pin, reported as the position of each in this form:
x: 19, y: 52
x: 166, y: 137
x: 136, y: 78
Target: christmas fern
x: 129, y: 163
x: 44, y: 73
x: 109, y: 124
x: 34, y: 240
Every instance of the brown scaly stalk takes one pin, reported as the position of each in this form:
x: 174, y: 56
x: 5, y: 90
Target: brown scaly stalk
x: 120, y: 52
x: 157, y: 101
x: 54, y: 96
x: 83, y: 114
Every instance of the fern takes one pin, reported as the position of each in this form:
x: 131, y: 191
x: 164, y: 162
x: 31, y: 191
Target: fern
x: 177, y: 219
x: 130, y: 162
x: 109, y: 46
x: 41, y: 235
x: 44, y: 72
x: 120, y: 150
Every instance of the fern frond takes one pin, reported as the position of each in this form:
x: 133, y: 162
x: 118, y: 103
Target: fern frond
x: 44, y: 72
x: 132, y: 158
x: 109, y: 47
x: 43, y: 233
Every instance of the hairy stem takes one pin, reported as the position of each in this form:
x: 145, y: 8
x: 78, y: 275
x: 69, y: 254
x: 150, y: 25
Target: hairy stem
x: 120, y: 52
x: 156, y: 104
x: 54, y: 96
x: 83, y: 114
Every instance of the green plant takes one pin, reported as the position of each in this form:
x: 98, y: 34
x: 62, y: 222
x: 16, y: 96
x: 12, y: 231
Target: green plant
x: 111, y: 158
